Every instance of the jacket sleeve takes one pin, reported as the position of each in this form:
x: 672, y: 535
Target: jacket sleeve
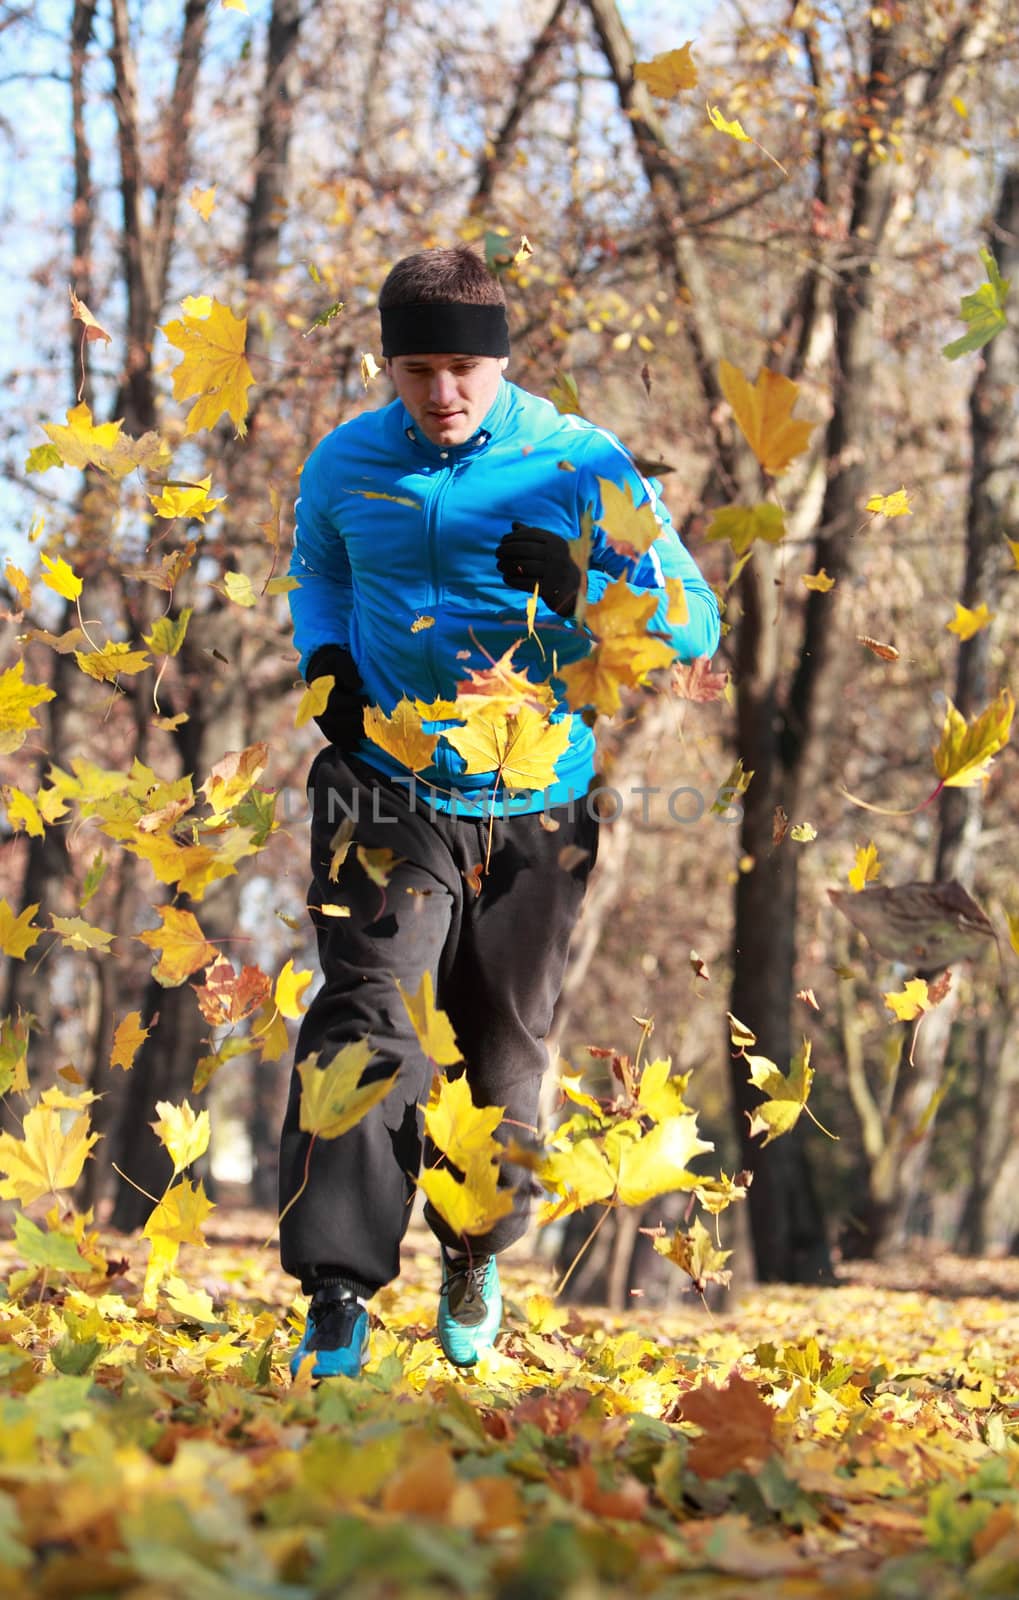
x: 322, y: 604
x: 666, y: 559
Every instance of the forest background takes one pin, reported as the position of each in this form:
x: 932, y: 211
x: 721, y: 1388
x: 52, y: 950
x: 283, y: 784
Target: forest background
x: 279, y: 159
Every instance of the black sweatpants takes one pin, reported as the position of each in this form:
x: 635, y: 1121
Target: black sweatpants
x: 496, y: 954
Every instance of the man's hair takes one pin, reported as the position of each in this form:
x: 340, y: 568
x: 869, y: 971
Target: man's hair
x: 453, y: 276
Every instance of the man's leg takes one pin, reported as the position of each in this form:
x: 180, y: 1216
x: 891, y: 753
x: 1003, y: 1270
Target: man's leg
x: 508, y: 972
x: 348, y: 1223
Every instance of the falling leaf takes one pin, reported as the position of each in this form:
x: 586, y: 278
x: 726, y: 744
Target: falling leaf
x: 886, y: 652
x: 983, y: 310
x: 565, y: 396
x: 18, y: 581
x: 1013, y: 545
x: 911, y: 1002
x: 213, y: 367
x: 17, y: 933
x: 818, y: 580
x: 237, y: 586
x: 60, y: 577
x: 185, y: 500
x: 325, y: 317
x: 696, y: 1254
x: 803, y: 832
x: 90, y: 327
x: 927, y: 925
x: 290, y: 987
x: 473, y: 1205
x: 743, y: 525
x: 734, y: 129
x: 666, y: 74
x: 785, y: 1094
x: 203, y: 201
x: 966, y: 623
x: 421, y: 623
x: 866, y: 869
x: 521, y: 749
x: 314, y: 699
x: 630, y: 528
x: 227, y: 997
x: 401, y: 734
x: 22, y: 812
x: 83, y: 444
x: 377, y: 863
x: 182, y: 944
x: 890, y: 505
x: 432, y: 1026
x: 694, y: 680
x: 1011, y: 920
x: 18, y: 700
x: 76, y: 934
x: 370, y: 368
x: 128, y: 1037
x: 764, y: 414
x: 182, y: 1131
x: 964, y: 754
x: 333, y: 1098
x: 113, y: 661
x: 809, y: 998
x: 51, y: 1155
x: 459, y: 1128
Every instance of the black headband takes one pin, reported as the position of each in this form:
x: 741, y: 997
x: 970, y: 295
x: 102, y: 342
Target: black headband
x: 444, y: 328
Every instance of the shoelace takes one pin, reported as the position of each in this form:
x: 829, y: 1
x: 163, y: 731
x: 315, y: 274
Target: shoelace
x: 463, y: 1285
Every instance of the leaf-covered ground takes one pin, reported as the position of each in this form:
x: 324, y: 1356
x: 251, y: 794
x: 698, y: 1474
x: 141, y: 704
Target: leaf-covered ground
x: 851, y: 1442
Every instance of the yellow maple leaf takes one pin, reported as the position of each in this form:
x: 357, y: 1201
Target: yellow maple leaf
x: 233, y: 776
x: 963, y: 756
x: 433, y: 1028
x: 910, y: 1002
x: 734, y: 129
x: 213, y: 367
x: 102, y: 445
x: 401, y: 734
x: 80, y: 935
x: 657, y: 1162
x: 743, y: 525
x: 17, y: 935
x: 630, y: 528
x: 817, y: 580
x: 183, y: 946
x: 128, y: 1037
x: 659, y: 1093
x: 472, y: 1206
x: 18, y: 581
x: 237, y: 586
x: 176, y: 1220
x: 290, y: 987
x: 112, y: 662
x: 182, y: 1132
x: 596, y: 679
x: 866, y: 869
x: 53, y: 1151
x: 203, y: 201
x: 60, y: 577
x: 459, y: 1128
x: 764, y: 414
x: 501, y: 686
x: 22, y: 812
x: 696, y: 1254
x: 18, y: 699
x: 185, y: 500
x: 667, y: 73
x: 314, y: 700
x: 786, y: 1094
x: 967, y: 622
x: 333, y: 1098
x: 890, y: 505
x: 521, y: 749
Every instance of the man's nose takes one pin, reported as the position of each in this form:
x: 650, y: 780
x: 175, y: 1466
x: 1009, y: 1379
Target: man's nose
x: 443, y: 388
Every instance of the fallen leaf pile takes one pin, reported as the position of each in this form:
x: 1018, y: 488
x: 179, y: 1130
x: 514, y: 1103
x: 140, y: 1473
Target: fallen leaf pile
x: 852, y: 1442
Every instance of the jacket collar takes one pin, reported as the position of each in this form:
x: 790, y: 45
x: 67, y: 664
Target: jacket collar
x: 491, y: 424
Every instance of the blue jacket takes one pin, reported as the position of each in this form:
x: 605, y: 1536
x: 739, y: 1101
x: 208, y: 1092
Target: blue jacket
x: 392, y: 529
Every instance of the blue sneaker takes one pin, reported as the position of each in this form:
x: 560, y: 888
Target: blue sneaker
x: 336, y: 1333
x: 470, y: 1307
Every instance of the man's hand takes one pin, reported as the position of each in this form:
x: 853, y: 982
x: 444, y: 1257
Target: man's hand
x: 530, y: 556
x: 342, y: 721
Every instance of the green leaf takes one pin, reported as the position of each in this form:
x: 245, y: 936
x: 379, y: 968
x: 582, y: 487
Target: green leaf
x: 56, y: 1250
x: 983, y: 311
x: 42, y: 458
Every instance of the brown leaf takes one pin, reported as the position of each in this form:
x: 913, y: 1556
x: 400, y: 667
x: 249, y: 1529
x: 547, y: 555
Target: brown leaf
x: 779, y: 825
x: 887, y: 652
x: 924, y: 925
x: 738, y: 1427
x: 694, y: 680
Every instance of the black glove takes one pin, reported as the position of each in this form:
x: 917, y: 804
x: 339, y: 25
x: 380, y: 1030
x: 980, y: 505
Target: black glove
x: 342, y: 721
x: 530, y: 556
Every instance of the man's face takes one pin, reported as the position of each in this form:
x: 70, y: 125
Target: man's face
x: 448, y: 396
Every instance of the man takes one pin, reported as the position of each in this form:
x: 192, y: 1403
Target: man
x: 423, y: 531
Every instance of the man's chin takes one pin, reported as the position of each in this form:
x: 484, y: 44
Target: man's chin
x: 455, y: 431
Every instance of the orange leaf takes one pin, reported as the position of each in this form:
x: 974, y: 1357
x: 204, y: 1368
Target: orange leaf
x: 737, y: 1427
x: 128, y: 1038
x: 183, y: 946
x: 764, y: 414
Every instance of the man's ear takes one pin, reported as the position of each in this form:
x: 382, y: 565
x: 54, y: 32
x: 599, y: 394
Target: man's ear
x: 503, y: 363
